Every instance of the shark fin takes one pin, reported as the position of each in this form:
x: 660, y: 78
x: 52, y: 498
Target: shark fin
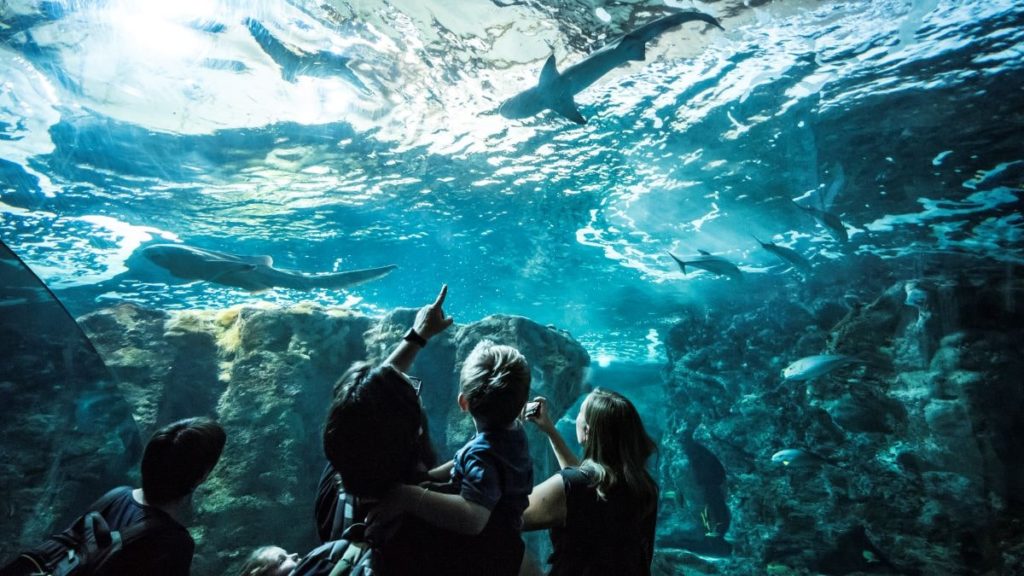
x: 549, y: 75
x: 682, y: 265
x: 704, y: 252
x: 566, y: 106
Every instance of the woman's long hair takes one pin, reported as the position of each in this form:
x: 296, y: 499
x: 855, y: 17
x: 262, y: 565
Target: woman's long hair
x: 617, y: 448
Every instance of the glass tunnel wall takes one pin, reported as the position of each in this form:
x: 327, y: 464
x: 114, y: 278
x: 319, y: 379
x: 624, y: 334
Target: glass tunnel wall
x: 68, y: 434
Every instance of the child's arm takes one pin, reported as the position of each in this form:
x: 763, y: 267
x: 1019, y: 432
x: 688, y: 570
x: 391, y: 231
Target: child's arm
x: 443, y: 472
x: 537, y: 412
x: 430, y: 321
x: 449, y: 511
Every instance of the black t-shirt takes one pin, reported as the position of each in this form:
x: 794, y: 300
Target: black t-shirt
x: 165, y: 551
x: 600, y: 537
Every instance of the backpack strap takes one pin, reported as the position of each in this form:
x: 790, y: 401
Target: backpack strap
x: 350, y: 558
x: 344, y: 512
x: 119, y: 539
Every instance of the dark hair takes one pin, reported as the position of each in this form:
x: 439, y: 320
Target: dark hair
x: 372, y: 433
x: 617, y: 448
x: 179, y: 456
x: 495, y: 380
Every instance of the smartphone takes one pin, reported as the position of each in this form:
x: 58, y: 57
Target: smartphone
x: 531, y: 409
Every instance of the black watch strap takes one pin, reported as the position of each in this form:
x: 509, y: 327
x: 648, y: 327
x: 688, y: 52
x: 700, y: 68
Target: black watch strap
x: 415, y: 338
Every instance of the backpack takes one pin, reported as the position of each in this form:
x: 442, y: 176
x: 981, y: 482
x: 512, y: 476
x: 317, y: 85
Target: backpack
x: 92, y: 547
x: 351, y: 555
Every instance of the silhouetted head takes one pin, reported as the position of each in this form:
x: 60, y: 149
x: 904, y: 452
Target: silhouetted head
x: 495, y: 384
x: 612, y: 431
x: 616, y: 447
x: 373, y: 434
x: 178, y: 458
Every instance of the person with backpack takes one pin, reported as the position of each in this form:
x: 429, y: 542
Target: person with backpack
x: 477, y: 520
x: 137, y: 531
x: 375, y: 437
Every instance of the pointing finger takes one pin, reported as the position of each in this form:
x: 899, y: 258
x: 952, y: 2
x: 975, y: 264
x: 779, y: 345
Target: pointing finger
x: 441, y: 296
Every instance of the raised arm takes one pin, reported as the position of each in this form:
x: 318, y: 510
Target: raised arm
x: 537, y: 412
x: 430, y: 321
x: 449, y: 511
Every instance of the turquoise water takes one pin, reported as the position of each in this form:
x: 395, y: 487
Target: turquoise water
x: 129, y: 123
x: 337, y: 135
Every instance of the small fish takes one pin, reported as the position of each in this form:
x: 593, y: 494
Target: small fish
x: 713, y: 264
x: 811, y: 367
x: 787, y: 255
x: 797, y: 458
x: 830, y: 221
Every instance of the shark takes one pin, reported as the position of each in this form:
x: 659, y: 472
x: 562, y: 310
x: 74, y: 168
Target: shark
x: 713, y: 264
x: 252, y: 273
x: 787, y: 255
x: 294, y: 62
x: 555, y: 90
x: 829, y: 221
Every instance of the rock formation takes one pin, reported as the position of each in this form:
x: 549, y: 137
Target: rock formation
x: 266, y: 374
x: 913, y: 460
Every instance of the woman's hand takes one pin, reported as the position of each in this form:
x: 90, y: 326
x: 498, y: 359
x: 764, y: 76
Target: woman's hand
x: 536, y: 411
x: 430, y: 320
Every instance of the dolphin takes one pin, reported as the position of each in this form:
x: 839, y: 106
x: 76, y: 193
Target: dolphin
x: 253, y: 273
x: 713, y: 264
x: 830, y: 221
x: 555, y: 90
x: 787, y: 255
x: 294, y: 62
x: 811, y: 367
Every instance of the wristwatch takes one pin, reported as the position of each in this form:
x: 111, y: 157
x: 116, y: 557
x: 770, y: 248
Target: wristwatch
x: 415, y: 338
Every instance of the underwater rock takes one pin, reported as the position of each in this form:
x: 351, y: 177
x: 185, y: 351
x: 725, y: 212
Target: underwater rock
x: 267, y: 375
x: 920, y: 444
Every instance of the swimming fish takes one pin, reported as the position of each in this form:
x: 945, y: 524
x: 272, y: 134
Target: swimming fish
x: 787, y: 255
x: 797, y: 458
x: 811, y: 367
x: 713, y: 264
x: 555, y: 90
x: 829, y: 221
x: 253, y: 273
x: 294, y: 62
